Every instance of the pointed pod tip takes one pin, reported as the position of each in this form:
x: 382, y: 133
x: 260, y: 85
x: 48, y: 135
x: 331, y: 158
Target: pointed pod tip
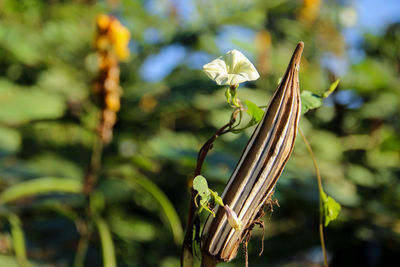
x: 299, y: 48
x: 295, y: 61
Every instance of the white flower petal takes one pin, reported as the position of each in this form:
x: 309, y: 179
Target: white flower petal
x: 222, y: 79
x: 233, y: 58
x: 231, y: 69
x: 215, y: 68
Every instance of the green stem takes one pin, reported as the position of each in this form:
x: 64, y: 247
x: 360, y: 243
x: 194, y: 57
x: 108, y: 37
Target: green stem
x: 85, y: 232
x: 165, y: 203
x: 321, y: 226
x: 90, y: 182
x: 92, y: 174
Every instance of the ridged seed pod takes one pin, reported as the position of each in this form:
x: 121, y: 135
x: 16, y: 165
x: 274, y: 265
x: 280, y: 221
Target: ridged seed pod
x: 258, y: 169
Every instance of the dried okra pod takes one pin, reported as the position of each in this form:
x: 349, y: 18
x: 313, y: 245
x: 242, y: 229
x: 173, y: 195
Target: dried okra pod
x: 258, y: 169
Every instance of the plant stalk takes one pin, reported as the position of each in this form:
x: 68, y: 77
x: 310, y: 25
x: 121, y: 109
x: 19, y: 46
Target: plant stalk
x: 321, y: 226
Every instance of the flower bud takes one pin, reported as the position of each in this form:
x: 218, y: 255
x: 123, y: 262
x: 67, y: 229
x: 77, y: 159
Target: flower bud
x: 232, y: 218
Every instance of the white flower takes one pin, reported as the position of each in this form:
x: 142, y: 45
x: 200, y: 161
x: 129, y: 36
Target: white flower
x: 232, y: 218
x: 231, y: 69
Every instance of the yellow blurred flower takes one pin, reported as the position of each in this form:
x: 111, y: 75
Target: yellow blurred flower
x: 112, y: 35
x: 119, y: 36
x: 309, y: 10
x: 103, y: 21
x: 113, y: 102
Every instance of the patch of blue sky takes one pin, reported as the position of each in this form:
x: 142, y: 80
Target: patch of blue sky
x: 158, y: 7
x: 158, y: 66
x: 375, y: 15
x: 372, y: 16
x: 348, y: 98
x: 197, y: 59
x: 152, y: 36
x: 237, y: 37
x: 338, y: 65
x: 186, y: 9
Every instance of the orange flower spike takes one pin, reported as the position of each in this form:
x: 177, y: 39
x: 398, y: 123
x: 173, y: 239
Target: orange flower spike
x: 103, y: 22
x: 119, y: 36
x: 310, y: 10
x: 113, y: 102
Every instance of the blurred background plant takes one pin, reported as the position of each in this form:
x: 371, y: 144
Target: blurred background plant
x: 48, y: 121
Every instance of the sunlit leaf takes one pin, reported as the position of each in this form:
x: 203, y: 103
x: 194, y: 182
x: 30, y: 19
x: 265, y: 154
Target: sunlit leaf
x: 107, y: 243
x: 20, y: 106
x: 309, y: 101
x: 332, y: 88
x: 39, y: 186
x: 331, y: 208
x: 18, y: 238
x: 254, y: 111
x: 162, y: 199
x: 201, y: 186
x: 10, y: 140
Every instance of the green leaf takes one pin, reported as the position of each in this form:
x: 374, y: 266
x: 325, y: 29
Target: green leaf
x: 39, y: 186
x: 332, y: 88
x: 206, y: 194
x: 132, y: 228
x: 331, y: 208
x: 20, y: 105
x: 10, y: 140
x: 162, y: 199
x: 309, y: 101
x: 254, y: 111
x: 201, y: 186
x: 107, y: 244
x: 18, y: 239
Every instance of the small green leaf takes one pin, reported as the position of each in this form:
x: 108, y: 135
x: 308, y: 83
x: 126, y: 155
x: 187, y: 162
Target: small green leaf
x: 254, y: 111
x: 331, y: 209
x: 332, y: 88
x: 201, y: 186
x: 309, y: 101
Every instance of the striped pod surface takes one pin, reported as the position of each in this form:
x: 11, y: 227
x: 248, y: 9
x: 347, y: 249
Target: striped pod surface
x: 259, y: 167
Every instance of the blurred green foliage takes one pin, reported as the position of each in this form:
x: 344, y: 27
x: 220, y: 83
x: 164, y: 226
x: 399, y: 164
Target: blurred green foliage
x: 169, y: 108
